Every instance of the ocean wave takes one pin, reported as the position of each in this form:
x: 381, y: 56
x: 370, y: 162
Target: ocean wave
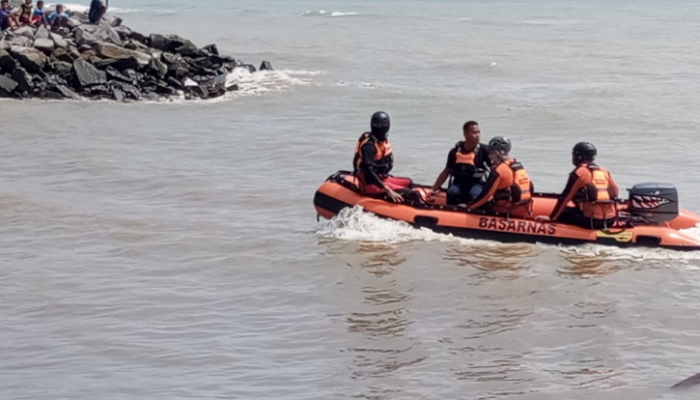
x: 324, y: 13
x: 547, y: 22
x: 82, y: 8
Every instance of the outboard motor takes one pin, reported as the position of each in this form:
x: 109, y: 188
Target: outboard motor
x: 655, y: 202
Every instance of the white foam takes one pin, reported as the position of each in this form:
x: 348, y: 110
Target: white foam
x: 324, y: 13
x: 81, y: 8
x: 342, y: 14
x: 354, y: 224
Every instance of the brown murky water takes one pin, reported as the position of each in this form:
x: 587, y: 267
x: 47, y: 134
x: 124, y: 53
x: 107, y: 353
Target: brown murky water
x: 171, y: 251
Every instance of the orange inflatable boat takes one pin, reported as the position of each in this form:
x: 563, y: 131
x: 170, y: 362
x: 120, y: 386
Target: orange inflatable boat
x: 650, y: 217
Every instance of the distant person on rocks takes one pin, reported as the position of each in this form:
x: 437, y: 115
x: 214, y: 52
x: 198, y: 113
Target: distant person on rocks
x: 7, y: 19
x: 24, y: 15
x: 97, y: 11
x: 58, y: 18
x: 38, y: 16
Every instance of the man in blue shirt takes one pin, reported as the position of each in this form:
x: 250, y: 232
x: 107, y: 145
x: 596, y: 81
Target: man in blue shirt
x: 58, y: 18
x: 97, y: 11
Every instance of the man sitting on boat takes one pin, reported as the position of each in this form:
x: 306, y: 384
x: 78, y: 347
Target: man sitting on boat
x: 509, y: 189
x: 467, y: 165
x: 591, y: 188
x: 374, y: 161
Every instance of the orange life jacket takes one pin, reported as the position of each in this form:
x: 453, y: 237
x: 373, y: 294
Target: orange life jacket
x: 515, y: 186
x: 383, y: 157
x: 597, y: 197
x: 465, y: 170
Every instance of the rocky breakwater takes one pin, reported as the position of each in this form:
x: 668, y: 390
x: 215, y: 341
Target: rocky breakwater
x: 111, y: 61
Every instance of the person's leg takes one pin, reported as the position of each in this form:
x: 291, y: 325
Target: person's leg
x: 475, y: 191
x: 454, y: 195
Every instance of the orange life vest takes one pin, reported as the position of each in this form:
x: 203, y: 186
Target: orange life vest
x: 465, y: 170
x: 515, y: 186
x: 383, y: 157
x: 597, y: 197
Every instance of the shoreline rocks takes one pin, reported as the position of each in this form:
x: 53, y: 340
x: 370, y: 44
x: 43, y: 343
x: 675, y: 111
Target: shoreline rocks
x: 111, y: 61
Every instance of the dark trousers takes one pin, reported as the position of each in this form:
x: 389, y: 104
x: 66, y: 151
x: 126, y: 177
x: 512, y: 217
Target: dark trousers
x: 574, y: 216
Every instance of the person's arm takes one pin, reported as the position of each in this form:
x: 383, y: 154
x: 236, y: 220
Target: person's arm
x: 451, y: 159
x: 616, y: 189
x: 489, y: 191
x: 572, y: 186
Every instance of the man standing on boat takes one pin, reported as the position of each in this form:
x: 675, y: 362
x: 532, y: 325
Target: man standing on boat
x: 374, y: 161
x: 467, y: 166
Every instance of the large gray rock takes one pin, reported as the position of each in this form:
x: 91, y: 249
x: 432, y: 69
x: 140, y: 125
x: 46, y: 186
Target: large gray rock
x: 7, y: 63
x: 26, y: 32
x: 109, y: 50
x: 187, y: 49
x: 62, y: 55
x: 143, y: 58
x: 59, y: 41
x: 4, y: 45
x: 107, y: 34
x: 266, y: 66
x: 74, y: 23
x: 139, y: 37
x: 21, y: 41
x: 116, y: 22
x: 7, y: 86
x: 62, y: 68
x: 73, y: 51
x: 160, y: 42
x: 45, y: 45
x: 211, y: 49
x: 67, y: 93
x: 124, y: 32
x: 23, y: 79
x: 41, y: 33
x: 84, y: 37
x: 31, y: 59
x: 158, y: 68
x: 86, y: 75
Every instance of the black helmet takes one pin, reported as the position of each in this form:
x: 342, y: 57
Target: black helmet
x: 380, y: 124
x: 585, y: 151
x: 500, y: 143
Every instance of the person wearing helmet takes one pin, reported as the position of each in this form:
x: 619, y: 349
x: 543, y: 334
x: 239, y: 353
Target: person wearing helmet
x: 467, y: 165
x: 509, y: 188
x: 374, y: 160
x: 591, y: 188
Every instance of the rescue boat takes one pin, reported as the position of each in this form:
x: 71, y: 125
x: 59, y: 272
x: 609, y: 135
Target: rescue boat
x: 649, y: 217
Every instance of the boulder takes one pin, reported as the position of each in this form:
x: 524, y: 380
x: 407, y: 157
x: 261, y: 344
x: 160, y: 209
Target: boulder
x: 199, y: 91
x: 266, y: 66
x: 50, y: 95
x: 84, y: 38
x: 174, y: 83
x: 4, y: 45
x: 160, y: 42
x: 187, y: 49
x: 115, y: 74
x: 7, y: 86
x: 118, y: 94
x: 62, y: 55
x: 45, y: 45
x: 73, y: 23
x: 151, y: 97
x: 73, y: 51
x: 41, y: 33
x: 139, y: 37
x: 32, y: 59
x: 117, y: 22
x: 107, y: 34
x: 86, y: 75
x: 250, y: 68
x: 130, y: 63
x: 62, y: 68
x: 129, y: 90
x: 142, y: 58
x: 112, y: 51
x: 23, y: 79
x: 21, y: 41
x: 67, y: 93
x: 158, y: 68
x: 63, y: 32
x: 87, y: 55
x: 26, y: 32
x: 58, y: 40
x: 7, y: 63
x: 211, y: 49
x: 124, y: 32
